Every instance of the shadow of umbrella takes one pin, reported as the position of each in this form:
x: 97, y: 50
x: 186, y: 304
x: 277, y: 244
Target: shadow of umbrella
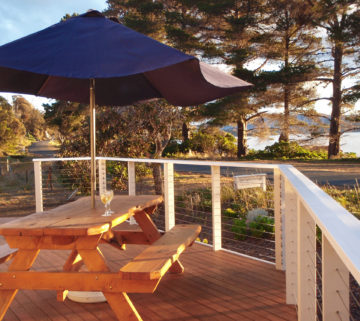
x: 66, y: 60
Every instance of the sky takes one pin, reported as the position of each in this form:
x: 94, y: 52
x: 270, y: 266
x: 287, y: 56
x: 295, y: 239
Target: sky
x: 19, y: 18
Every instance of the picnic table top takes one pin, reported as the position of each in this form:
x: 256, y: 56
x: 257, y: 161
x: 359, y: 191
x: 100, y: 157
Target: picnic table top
x: 78, y: 218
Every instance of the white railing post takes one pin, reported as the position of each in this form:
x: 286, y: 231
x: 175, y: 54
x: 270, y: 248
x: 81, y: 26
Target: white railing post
x: 38, y: 186
x: 169, y: 196
x: 335, y: 284
x: 102, y: 175
x: 279, y: 263
x: 291, y: 209
x: 216, y: 207
x: 306, y: 295
x: 131, y: 179
x: 131, y: 185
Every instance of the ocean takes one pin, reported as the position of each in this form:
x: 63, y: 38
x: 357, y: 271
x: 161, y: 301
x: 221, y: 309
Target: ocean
x: 350, y: 142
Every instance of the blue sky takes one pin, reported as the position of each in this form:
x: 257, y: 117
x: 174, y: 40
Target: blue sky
x: 20, y: 18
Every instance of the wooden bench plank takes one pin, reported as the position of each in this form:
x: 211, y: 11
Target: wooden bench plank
x: 156, y: 259
x: 6, y: 253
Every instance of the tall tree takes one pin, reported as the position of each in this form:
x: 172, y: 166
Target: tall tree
x: 339, y: 20
x: 289, y: 47
x: 234, y: 27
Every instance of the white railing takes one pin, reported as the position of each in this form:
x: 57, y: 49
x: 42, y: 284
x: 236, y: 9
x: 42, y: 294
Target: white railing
x: 301, y: 209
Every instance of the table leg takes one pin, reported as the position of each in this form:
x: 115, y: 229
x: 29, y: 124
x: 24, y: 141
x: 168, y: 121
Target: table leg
x: 23, y: 261
x: 122, y: 306
x: 73, y: 263
x: 120, y: 303
x: 151, y: 232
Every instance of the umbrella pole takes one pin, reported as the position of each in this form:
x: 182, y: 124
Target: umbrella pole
x: 92, y: 142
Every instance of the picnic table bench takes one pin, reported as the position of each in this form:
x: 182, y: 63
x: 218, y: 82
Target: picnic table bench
x: 77, y: 227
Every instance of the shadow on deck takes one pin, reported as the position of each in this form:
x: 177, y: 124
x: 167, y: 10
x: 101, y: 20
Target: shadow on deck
x: 215, y: 286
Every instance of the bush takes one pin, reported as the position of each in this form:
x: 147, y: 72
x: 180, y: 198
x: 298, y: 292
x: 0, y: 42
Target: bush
x: 119, y: 173
x: 287, y: 150
x: 229, y: 212
x: 211, y: 141
x: 262, y: 226
x: 172, y: 148
x: 239, y: 228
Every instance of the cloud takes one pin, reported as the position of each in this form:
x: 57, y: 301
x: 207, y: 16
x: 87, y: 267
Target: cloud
x: 20, y: 18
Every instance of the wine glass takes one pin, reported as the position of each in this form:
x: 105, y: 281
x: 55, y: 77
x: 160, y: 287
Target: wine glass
x: 106, y: 198
x: 111, y: 196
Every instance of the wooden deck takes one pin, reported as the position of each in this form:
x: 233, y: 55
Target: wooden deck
x: 215, y: 286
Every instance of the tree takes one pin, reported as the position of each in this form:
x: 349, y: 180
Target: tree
x: 66, y: 118
x: 178, y: 23
x: 12, y: 131
x: 289, y: 46
x: 142, y: 130
x: 156, y: 128
x: 233, y: 27
x: 32, y: 119
x: 339, y: 19
x: 234, y: 110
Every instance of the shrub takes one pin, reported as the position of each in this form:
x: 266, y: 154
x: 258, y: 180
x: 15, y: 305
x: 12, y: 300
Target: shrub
x: 261, y: 226
x: 172, y: 148
x: 239, y: 228
x: 229, y: 212
x: 119, y: 173
x: 287, y: 150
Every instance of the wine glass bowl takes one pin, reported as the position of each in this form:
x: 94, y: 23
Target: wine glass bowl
x: 106, y: 197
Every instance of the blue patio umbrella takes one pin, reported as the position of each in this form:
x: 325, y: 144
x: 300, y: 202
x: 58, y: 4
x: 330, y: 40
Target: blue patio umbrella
x: 65, y: 60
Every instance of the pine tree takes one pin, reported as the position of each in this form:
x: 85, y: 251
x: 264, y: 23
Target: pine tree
x: 289, y: 47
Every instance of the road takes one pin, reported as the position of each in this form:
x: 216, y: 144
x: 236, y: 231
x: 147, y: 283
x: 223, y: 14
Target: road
x: 337, y: 174
x: 43, y: 149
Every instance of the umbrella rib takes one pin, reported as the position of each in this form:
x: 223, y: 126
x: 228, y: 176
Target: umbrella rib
x: 43, y: 85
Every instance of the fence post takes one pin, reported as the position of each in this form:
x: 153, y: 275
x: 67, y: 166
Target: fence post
x: 291, y: 208
x: 216, y: 207
x: 169, y: 196
x: 38, y: 186
x: 132, y: 185
x: 279, y: 264
x: 131, y: 179
x: 102, y: 175
x: 306, y: 297
x: 335, y: 284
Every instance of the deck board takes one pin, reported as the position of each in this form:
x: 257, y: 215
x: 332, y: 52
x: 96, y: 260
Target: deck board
x: 215, y: 286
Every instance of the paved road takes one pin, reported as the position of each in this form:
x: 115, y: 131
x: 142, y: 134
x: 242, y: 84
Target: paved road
x: 42, y: 149
x: 338, y: 174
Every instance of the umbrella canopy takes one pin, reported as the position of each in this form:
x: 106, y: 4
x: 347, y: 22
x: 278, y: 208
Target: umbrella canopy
x: 65, y: 60
x: 58, y: 62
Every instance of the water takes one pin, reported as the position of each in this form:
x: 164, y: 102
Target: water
x: 350, y: 142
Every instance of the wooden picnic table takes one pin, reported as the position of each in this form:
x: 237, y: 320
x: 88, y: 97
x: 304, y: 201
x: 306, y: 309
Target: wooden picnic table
x: 77, y: 227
